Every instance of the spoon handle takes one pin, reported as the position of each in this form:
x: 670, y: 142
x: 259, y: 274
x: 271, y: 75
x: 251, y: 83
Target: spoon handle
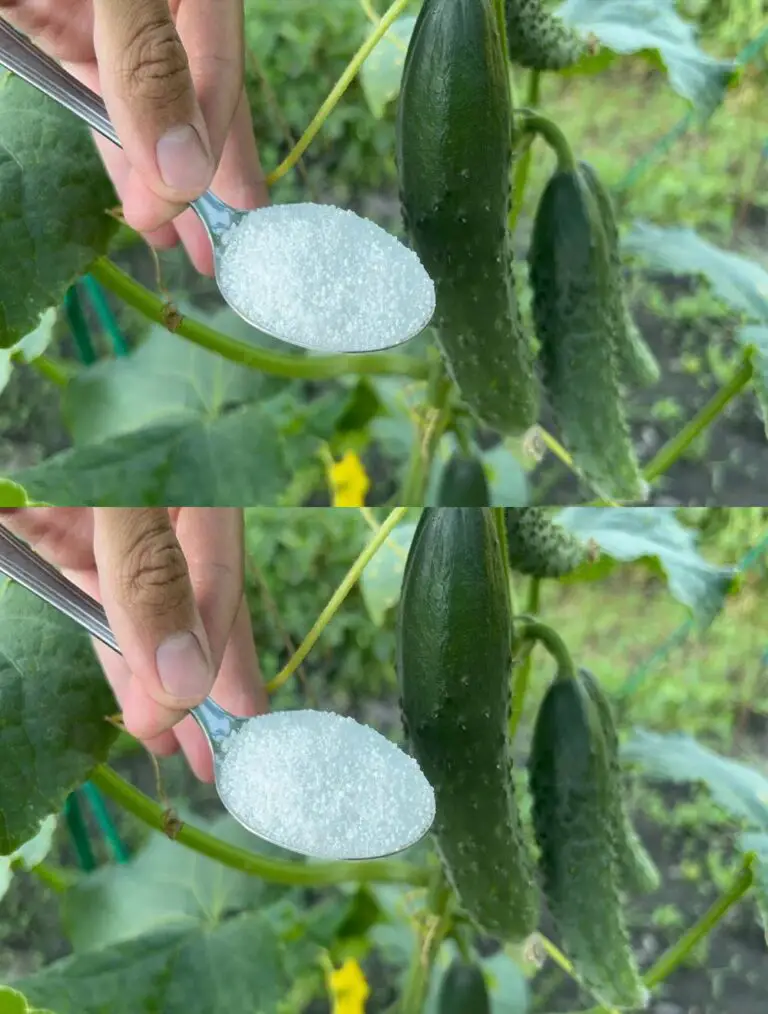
x: 22, y: 564
x: 23, y: 57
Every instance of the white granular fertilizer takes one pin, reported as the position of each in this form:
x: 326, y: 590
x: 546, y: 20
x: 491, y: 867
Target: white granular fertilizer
x: 323, y: 785
x: 324, y: 278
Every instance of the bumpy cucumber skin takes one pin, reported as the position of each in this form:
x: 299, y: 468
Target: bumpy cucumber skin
x: 463, y: 990
x: 636, y: 870
x: 540, y: 40
x: 572, y: 306
x: 538, y: 546
x: 463, y: 482
x: 453, y: 665
x: 570, y: 777
x: 635, y: 360
x: 454, y: 153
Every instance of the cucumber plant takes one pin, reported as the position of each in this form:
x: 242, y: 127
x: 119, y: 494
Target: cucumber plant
x: 450, y: 923
x: 458, y: 86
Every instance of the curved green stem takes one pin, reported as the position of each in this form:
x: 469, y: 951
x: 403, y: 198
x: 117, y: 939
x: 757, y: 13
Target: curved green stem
x: 59, y: 880
x: 537, y: 124
x: 679, y: 951
x: 427, y: 438
x: 349, y: 74
x: 350, y: 579
x: 523, y: 672
x: 674, y: 448
x: 297, y: 367
x: 427, y: 948
x: 535, y: 630
x: 525, y: 156
x: 50, y: 369
x: 277, y: 871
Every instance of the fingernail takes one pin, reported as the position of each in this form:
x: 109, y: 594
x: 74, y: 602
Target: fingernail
x: 183, y: 161
x: 182, y: 666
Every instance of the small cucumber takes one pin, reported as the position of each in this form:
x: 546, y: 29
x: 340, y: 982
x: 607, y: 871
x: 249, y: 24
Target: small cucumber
x: 573, y: 303
x: 463, y: 482
x: 637, y: 871
x: 454, y: 156
x: 635, y: 360
x: 540, y: 547
x: 538, y: 39
x: 463, y: 989
x: 453, y: 665
x: 570, y: 779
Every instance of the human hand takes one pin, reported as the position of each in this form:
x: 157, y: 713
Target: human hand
x: 171, y: 75
x: 171, y: 583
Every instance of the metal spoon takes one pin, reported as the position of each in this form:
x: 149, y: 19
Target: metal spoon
x: 19, y: 55
x: 22, y: 564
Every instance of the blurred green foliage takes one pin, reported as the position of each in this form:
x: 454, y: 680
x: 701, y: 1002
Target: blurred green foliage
x: 296, y: 559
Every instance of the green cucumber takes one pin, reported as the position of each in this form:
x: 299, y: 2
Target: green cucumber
x: 637, y: 871
x: 463, y: 989
x: 570, y: 779
x: 635, y: 360
x: 538, y: 39
x: 463, y: 482
x: 538, y: 546
x: 573, y: 301
x: 454, y: 156
x: 453, y: 665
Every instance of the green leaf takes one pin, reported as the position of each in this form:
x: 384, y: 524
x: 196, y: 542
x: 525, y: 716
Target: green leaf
x: 54, y: 196
x: 28, y: 855
x: 53, y: 703
x: 738, y: 789
x: 167, y: 379
x: 757, y: 843
x: 381, y: 580
x: 30, y: 347
x: 637, y: 26
x: 251, y: 961
x: 738, y: 281
x: 12, y: 1002
x: 381, y: 73
x: 507, y: 478
x: 164, y: 886
x: 508, y: 986
x: 248, y: 455
x: 654, y: 534
x: 12, y: 494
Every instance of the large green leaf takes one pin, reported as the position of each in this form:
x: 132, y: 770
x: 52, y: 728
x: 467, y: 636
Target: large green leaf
x: 381, y: 73
x: 636, y: 26
x: 167, y: 379
x: 738, y: 789
x: 738, y: 281
x: 252, y: 962
x: 54, y: 700
x: 54, y: 196
x: 248, y: 455
x: 164, y: 886
x: 12, y: 1002
x: 653, y: 534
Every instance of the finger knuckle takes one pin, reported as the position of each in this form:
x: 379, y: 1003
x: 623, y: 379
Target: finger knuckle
x: 155, y: 64
x: 154, y: 575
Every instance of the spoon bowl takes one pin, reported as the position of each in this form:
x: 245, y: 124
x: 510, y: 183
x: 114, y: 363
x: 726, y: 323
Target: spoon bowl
x: 312, y: 782
x: 311, y: 275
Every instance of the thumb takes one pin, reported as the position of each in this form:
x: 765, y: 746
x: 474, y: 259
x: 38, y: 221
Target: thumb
x: 150, y: 603
x: 149, y: 92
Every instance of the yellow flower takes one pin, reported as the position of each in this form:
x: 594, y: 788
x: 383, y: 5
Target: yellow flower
x: 348, y: 988
x: 348, y: 480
